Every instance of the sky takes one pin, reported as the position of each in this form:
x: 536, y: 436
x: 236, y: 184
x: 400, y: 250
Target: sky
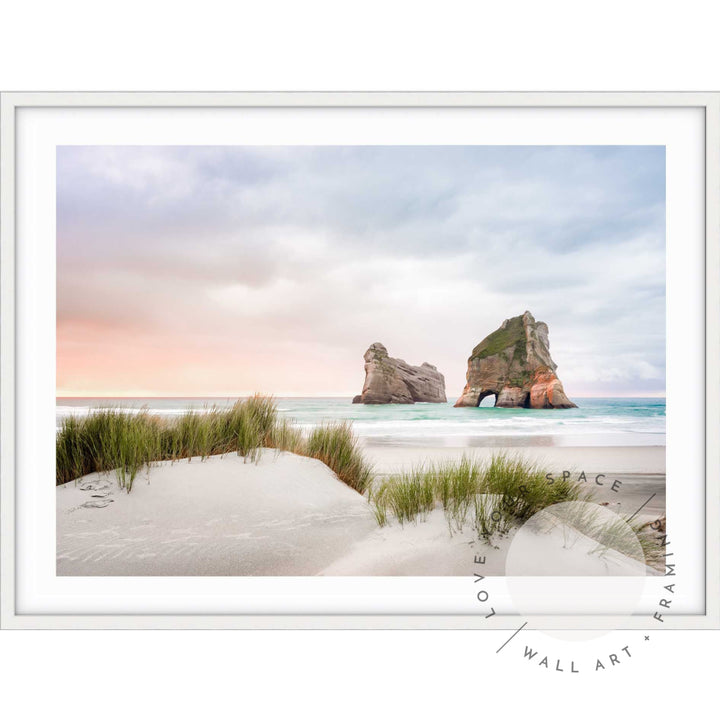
x: 223, y: 271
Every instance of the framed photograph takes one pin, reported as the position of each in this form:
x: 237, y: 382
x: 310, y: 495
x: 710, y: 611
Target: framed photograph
x: 360, y: 360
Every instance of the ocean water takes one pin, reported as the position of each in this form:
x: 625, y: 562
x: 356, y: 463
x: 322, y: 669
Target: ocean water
x: 597, y: 422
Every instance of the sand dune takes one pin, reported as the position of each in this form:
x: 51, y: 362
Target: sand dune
x: 285, y: 515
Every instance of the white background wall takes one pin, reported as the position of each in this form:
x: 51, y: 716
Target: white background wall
x: 313, y: 45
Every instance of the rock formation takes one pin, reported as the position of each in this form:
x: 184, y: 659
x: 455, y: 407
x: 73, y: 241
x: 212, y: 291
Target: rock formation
x: 514, y: 364
x: 389, y: 380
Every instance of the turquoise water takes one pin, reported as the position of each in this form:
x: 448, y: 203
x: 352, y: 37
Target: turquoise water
x: 597, y: 422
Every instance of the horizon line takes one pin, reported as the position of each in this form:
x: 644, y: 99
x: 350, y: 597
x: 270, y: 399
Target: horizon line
x: 292, y: 396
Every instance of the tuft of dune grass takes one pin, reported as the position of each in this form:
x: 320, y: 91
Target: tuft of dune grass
x: 499, y: 495
x: 506, y: 490
x: 106, y: 440
x: 126, y: 442
x: 408, y: 496
x: 336, y: 446
x: 284, y: 435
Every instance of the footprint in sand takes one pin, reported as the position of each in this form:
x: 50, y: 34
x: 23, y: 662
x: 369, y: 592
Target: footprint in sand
x: 97, y: 503
x: 94, y: 486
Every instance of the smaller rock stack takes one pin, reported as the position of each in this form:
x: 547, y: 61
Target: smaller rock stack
x: 390, y: 380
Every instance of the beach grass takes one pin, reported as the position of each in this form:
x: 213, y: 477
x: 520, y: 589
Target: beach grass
x: 634, y: 539
x: 336, y: 446
x: 649, y: 540
x: 106, y: 440
x: 498, y: 494
x: 284, y: 435
x: 408, y: 496
x: 126, y: 442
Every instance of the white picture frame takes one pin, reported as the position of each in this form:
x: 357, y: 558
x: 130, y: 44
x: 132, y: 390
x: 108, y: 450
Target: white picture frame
x: 12, y: 562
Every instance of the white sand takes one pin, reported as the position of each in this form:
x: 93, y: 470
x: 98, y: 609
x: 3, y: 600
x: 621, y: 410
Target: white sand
x: 428, y: 548
x: 286, y: 515
x: 423, y: 548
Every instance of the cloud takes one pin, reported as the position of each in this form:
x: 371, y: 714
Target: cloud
x: 229, y: 269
